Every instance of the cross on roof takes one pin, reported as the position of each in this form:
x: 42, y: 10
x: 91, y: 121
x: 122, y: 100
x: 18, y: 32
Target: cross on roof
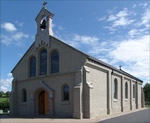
x: 120, y: 67
x: 44, y: 4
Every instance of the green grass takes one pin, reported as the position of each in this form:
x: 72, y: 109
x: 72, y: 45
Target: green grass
x: 4, y: 99
x: 4, y: 113
x: 147, y: 106
x: 4, y: 104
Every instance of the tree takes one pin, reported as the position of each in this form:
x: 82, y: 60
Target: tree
x: 7, y: 94
x: 146, y: 90
x: 1, y: 93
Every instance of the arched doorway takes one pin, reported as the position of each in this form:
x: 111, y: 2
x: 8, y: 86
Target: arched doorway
x: 43, y: 103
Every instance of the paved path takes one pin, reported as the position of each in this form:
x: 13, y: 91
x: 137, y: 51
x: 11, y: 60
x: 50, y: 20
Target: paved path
x: 136, y: 117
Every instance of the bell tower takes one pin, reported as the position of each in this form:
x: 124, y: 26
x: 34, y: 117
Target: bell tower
x: 44, y: 27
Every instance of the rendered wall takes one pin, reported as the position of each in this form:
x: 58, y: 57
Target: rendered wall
x: 55, y: 82
x: 97, y: 94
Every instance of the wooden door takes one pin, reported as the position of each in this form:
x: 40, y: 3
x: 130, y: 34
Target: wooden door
x: 43, y: 103
x: 46, y: 102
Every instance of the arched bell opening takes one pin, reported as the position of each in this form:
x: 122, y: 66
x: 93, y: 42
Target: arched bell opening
x: 43, y: 23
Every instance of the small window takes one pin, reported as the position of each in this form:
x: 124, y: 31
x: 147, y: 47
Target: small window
x: 43, y: 62
x: 33, y: 67
x: 134, y: 91
x: 126, y: 90
x: 115, y: 89
x: 55, y: 62
x: 24, y: 95
x: 66, y: 93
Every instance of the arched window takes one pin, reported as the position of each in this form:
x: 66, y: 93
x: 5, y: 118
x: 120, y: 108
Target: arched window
x: 43, y: 62
x: 55, y: 62
x: 24, y: 95
x: 65, y: 93
x: 133, y: 90
x: 115, y: 89
x: 33, y: 67
x: 126, y: 90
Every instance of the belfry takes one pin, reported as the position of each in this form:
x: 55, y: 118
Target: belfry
x: 44, y: 27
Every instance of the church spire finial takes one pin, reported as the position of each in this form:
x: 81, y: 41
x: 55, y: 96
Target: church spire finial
x: 44, y: 4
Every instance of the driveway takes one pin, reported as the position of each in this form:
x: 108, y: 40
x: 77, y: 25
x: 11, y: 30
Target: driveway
x: 142, y: 116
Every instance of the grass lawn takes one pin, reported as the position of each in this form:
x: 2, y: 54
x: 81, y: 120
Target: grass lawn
x: 4, y: 99
x: 147, y: 106
x: 4, y: 113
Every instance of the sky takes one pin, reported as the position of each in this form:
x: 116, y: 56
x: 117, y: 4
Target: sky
x: 114, y: 31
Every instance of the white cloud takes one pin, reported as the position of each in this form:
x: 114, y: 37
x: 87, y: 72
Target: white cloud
x: 5, y: 84
x: 86, y: 39
x: 19, y: 23
x: 111, y: 18
x: 19, y: 35
x: 104, y: 60
x: 123, y: 13
x: 95, y: 47
x: 121, y: 18
x: 60, y: 28
x: 133, y: 32
x: 119, y: 15
x: 132, y: 50
x: 146, y: 17
x: 102, y: 18
x: 143, y: 4
x: 8, y: 27
x: 14, y: 38
x: 5, y: 39
x: 134, y: 53
x: 134, y: 5
x: 122, y: 22
x: 110, y: 28
x: 73, y: 43
x: 20, y: 54
x: 9, y: 75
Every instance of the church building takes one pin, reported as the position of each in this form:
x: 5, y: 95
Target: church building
x: 56, y: 80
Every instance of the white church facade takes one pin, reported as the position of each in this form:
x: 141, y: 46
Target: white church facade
x: 55, y: 79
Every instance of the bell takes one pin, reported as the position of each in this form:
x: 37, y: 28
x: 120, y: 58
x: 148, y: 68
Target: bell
x: 43, y: 25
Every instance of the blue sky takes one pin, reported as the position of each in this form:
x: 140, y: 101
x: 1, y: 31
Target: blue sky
x: 114, y: 31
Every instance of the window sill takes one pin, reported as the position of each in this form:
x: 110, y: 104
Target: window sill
x: 65, y: 102
x: 43, y: 74
x: 115, y: 100
x: 126, y: 99
x: 54, y: 73
x: 32, y: 77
